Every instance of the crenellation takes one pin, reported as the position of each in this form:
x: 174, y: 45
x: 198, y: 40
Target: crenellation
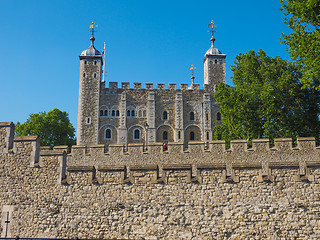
x: 113, y: 85
x: 238, y: 145
x: 125, y: 85
x: 172, y: 86
x: 183, y: 86
x: 137, y: 85
x: 160, y: 86
x: 283, y: 144
x: 149, y: 86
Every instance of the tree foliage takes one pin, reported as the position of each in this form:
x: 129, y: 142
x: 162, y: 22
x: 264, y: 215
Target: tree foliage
x: 267, y: 100
x: 303, y: 17
x: 53, y: 128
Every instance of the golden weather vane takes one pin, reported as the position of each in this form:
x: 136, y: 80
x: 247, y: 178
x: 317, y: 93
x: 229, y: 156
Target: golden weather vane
x: 212, y: 26
x: 92, y: 27
x: 192, y: 68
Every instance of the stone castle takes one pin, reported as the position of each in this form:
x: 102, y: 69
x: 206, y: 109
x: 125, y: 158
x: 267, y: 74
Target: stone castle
x: 121, y: 183
x: 134, y: 115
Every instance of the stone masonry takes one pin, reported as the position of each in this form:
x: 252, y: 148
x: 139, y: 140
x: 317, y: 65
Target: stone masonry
x: 204, y: 192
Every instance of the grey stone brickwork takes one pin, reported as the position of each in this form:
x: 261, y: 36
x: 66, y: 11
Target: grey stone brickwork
x: 199, y: 193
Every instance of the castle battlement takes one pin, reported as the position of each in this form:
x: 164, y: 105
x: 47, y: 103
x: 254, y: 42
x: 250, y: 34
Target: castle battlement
x: 149, y: 86
x: 125, y: 161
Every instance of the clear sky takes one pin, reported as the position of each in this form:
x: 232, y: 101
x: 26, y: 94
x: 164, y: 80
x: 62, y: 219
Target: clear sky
x: 147, y: 41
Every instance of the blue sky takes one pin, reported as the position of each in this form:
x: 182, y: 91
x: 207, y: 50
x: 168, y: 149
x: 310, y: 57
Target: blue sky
x: 147, y: 41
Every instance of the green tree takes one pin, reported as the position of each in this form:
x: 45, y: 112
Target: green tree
x: 267, y: 101
x: 303, y: 17
x: 53, y: 128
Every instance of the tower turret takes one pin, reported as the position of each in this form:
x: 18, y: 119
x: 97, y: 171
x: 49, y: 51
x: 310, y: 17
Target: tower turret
x: 214, y: 64
x: 89, y: 92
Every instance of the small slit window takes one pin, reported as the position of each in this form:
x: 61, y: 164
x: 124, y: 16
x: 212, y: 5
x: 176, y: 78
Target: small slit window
x: 84, y: 74
x: 88, y: 120
x: 165, y: 115
x: 208, y: 135
x: 165, y: 136
x: 192, y: 116
x: 179, y: 135
x: 207, y: 116
x: 108, y: 134
x: 136, y: 134
x: 191, y: 136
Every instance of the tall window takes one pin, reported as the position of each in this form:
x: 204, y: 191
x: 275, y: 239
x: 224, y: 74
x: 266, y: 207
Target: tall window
x: 165, y: 136
x: 108, y: 134
x: 128, y: 113
x: 106, y: 112
x: 219, y: 116
x: 113, y: 113
x: 136, y: 134
x: 144, y: 113
x: 192, y: 116
x: 165, y: 115
x: 191, y: 136
x: 117, y: 113
x: 101, y: 112
x: 208, y: 136
x: 133, y: 113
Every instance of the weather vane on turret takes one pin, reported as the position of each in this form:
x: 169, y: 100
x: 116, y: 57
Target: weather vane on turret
x: 192, y: 68
x: 92, y: 27
x: 212, y: 26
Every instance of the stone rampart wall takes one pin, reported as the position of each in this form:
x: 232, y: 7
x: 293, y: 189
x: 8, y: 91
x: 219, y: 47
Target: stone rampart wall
x: 238, y: 193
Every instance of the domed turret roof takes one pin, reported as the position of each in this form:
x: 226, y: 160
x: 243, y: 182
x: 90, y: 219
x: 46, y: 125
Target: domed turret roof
x: 213, y: 51
x: 91, y: 51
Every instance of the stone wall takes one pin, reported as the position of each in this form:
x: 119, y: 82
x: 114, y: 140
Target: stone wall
x: 202, y: 192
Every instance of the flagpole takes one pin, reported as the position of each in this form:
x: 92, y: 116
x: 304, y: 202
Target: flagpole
x: 104, y: 61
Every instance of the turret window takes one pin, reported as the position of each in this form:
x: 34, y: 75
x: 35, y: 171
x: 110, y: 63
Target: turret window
x: 165, y: 115
x: 179, y: 135
x: 191, y: 136
x: 136, y: 134
x: 94, y: 75
x: 165, y: 136
x: 192, y: 116
x: 84, y: 74
x: 108, y: 134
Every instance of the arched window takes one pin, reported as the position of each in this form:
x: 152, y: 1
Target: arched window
x: 128, y: 113
x: 133, y: 113
x: 108, y: 134
x: 113, y: 113
x: 144, y: 113
x: 136, y: 134
x: 191, y: 136
x: 192, y: 116
x: 101, y: 112
x: 117, y: 113
x: 106, y: 112
x: 219, y: 116
x: 140, y: 113
x: 165, y: 136
x: 165, y: 115
x: 208, y: 136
